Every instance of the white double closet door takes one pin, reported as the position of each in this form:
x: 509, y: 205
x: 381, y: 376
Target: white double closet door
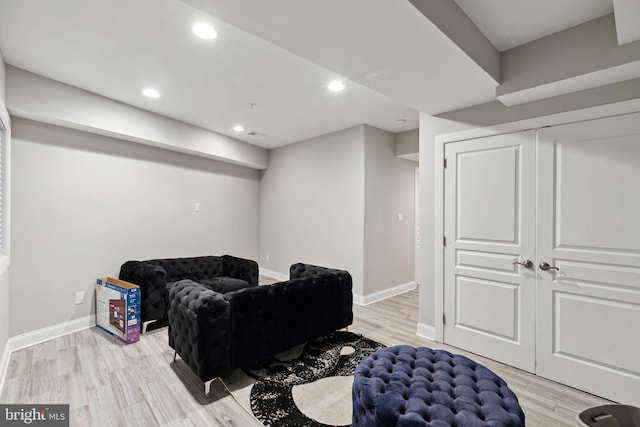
x: 567, y: 196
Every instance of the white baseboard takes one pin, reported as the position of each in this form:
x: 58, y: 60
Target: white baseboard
x: 45, y: 334
x: 4, y: 365
x: 382, y: 295
x: 426, y: 331
x: 274, y: 274
x: 41, y: 335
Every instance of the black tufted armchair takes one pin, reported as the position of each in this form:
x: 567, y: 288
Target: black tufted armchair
x: 214, y: 332
x: 220, y: 273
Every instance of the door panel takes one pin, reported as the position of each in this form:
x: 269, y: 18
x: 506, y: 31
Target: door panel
x: 588, y: 314
x: 489, y: 224
x: 485, y: 261
x: 609, y: 330
x: 596, y: 176
x: 487, y: 318
x: 494, y: 173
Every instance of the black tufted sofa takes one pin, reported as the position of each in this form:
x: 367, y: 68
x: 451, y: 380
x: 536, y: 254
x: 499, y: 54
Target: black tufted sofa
x: 220, y: 273
x: 214, y: 332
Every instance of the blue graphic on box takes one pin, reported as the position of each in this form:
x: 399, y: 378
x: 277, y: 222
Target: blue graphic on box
x: 133, y: 316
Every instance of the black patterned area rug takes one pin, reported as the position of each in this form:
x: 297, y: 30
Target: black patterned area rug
x: 309, y: 385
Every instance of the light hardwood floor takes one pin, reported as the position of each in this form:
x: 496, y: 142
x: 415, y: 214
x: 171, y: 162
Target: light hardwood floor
x: 110, y: 384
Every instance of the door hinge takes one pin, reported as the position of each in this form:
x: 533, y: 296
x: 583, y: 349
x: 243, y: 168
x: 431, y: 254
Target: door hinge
x: 444, y: 241
x: 445, y: 163
x: 444, y: 319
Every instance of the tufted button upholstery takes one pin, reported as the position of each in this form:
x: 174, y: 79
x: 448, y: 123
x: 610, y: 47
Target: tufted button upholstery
x: 216, y: 332
x: 300, y: 270
x: 240, y: 268
x: 155, y: 276
x: 152, y: 280
x: 192, y: 268
x: 270, y: 319
x: 407, y: 386
x: 223, y: 284
x: 199, y: 327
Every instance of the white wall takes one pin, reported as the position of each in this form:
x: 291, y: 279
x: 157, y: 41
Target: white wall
x: 334, y: 200
x: 83, y: 204
x: 4, y: 325
x: 389, y: 245
x: 312, y: 205
x: 407, y: 143
x: 4, y: 273
x: 430, y: 127
x: 3, y: 79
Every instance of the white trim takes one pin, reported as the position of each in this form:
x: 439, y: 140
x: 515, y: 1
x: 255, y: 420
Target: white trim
x: 273, y: 274
x: 384, y: 294
x: 5, y: 259
x: 417, y: 223
x: 45, y: 334
x: 426, y: 331
x: 591, y: 113
x: 438, y: 233
x: 4, y: 365
x: 41, y: 335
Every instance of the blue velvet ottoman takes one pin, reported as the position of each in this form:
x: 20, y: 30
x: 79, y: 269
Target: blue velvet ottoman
x: 407, y: 386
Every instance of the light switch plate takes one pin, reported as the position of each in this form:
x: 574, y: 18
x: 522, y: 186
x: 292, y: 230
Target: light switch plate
x: 80, y: 297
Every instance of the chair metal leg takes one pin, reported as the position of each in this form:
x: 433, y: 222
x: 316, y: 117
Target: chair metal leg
x: 145, y: 324
x: 207, y: 387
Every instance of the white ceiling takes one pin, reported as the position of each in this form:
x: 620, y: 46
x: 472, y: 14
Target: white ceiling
x: 278, y: 55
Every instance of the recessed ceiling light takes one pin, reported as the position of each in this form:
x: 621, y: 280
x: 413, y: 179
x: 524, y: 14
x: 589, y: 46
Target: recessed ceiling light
x: 205, y: 31
x: 238, y: 128
x: 151, y: 93
x: 336, y: 86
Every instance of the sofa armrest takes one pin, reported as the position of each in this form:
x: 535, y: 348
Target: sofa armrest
x: 307, y: 270
x: 200, y: 328
x: 300, y: 270
x: 152, y: 280
x: 240, y: 268
x: 272, y: 318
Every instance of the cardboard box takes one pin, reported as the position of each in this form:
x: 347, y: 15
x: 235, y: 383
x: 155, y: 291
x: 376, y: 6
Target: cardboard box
x: 118, y: 308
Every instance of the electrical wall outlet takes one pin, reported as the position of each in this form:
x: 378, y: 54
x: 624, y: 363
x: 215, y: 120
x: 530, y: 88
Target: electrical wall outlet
x: 80, y: 297
x: 266, y: 258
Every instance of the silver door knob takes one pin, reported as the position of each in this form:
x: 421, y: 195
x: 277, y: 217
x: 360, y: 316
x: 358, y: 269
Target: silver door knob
x: 526, y: 264
x: 545, y: 266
